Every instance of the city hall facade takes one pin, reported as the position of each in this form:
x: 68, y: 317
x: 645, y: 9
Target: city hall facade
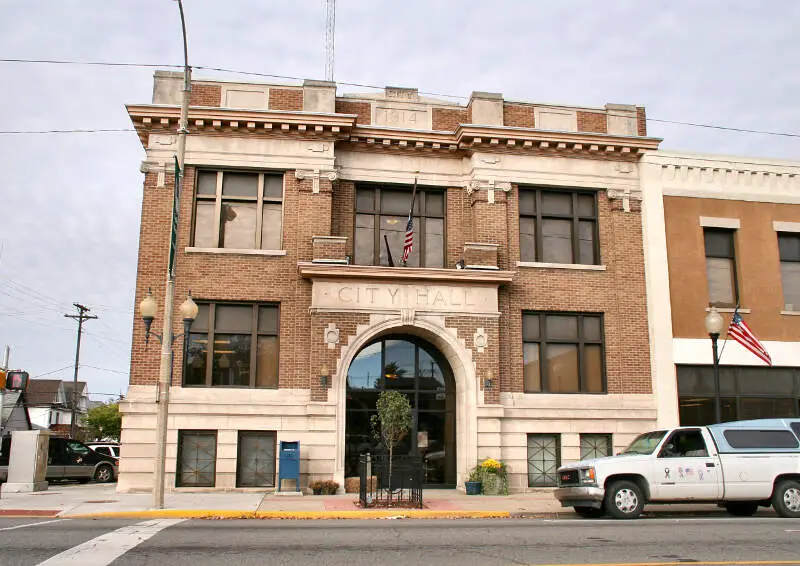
x: 518, y: 328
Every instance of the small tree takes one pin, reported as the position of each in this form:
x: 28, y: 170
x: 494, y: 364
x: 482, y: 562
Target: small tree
x: 392, y: 422
x: 104, y: 421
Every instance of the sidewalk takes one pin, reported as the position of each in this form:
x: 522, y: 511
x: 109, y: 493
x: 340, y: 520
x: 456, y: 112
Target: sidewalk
x: 102, y: 501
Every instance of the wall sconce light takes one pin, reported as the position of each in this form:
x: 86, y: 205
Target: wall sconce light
x: 488, y: 381
x: 460, y: 264
x: 323, y: 376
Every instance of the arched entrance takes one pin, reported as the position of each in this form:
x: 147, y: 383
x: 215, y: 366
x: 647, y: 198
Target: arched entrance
x: 414, y: 367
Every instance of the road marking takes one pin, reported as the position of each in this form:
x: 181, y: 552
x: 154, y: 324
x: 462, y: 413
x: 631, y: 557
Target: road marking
x: 32, y: 524
x: 684, y: 563
x: 106, y: 548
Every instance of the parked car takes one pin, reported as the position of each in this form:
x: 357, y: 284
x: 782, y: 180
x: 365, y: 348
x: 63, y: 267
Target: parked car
x: 739, y: 465
x: 107, y: 448
x: 68, y: 459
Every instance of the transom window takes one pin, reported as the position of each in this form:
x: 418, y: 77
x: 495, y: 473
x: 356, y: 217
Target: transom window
x: 558, y: 226
x: 563, y: 353
x: 238, y: 210
x: 723, y: 286
x: 245, y: 346
x: 382, y: 214
x: 789, y: 249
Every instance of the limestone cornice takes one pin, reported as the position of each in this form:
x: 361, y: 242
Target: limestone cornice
x: 398, y: 138
x: 310, y: 124
x: 723, y: 177
x: 469, y: 137
x: 405, y: 274
x: 506, y: 137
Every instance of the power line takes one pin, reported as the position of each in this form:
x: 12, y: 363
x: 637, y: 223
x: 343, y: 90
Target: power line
x: 80, y: 131
x: 92, y: 63
x: 728, y: 128
x: 106, y: 369
x: 53, y: 371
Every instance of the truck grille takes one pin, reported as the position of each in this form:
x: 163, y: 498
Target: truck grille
x: 569, y: 477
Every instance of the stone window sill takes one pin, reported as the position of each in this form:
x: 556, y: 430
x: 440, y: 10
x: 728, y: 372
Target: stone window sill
x: 576, y: 266
x: 791, y: 313
x: 232, y: 251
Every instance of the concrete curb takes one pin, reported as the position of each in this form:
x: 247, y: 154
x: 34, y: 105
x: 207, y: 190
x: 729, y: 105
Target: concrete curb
x: 290, y: 515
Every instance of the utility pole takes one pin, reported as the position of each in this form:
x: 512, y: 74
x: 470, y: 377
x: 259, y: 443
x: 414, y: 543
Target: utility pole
x: 81, y: 317
x: 6, y: 355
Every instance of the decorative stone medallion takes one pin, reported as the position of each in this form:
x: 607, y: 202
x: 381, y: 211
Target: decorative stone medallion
x: 480, y: 339
x: 331, y: 336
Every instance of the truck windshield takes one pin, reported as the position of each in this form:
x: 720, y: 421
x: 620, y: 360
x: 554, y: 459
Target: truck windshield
x: 645, y: 443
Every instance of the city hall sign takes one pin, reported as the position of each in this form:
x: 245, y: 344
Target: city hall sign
x: 384, y: 297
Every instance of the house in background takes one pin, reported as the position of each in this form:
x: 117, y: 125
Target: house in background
x: 50, y: 404
x: 14, y: 415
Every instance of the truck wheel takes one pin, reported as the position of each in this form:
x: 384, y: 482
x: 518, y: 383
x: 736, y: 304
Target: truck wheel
x: 103, y: 474
x: 786, y: 499
x: 589, y: 512
x: 742, y: 508
x: 624, y: 500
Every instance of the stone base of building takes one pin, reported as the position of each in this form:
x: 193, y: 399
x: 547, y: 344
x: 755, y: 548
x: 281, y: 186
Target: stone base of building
x: 556, y: 427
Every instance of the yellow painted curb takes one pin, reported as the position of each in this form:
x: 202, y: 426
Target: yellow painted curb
x: 296, y: 515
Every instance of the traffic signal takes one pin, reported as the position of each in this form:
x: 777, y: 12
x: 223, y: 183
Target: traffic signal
x: 17, y: 380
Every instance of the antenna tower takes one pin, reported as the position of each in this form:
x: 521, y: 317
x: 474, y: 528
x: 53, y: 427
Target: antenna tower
x: 330, y: 29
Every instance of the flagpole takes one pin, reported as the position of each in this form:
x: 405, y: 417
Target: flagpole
x: 410, y: 220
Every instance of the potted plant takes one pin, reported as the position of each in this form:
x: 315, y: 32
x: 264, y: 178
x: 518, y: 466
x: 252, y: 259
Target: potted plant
x: 494, y: 477
x: 473, y: 483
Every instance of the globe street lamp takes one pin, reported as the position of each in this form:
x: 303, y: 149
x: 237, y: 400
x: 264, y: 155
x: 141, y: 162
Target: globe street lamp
x: 148, y: 309
x: 714, y: 326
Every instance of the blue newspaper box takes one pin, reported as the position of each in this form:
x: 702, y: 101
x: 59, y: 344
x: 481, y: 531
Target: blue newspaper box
x: 289, y: 465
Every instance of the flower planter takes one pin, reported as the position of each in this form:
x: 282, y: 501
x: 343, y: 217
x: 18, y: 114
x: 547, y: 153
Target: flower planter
x: 472, y: 487
x: 494, y: 485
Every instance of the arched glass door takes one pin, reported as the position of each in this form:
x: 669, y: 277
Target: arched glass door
x: 416, y: 369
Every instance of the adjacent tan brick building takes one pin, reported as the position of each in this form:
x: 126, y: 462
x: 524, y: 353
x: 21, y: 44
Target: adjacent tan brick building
x: 723, y: 231
x: 518, y: 328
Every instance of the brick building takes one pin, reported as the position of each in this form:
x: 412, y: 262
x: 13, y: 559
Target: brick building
x: 728, y: 228
x: 518, y: 328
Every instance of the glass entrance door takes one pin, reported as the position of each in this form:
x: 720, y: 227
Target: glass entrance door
x: 414, y: 368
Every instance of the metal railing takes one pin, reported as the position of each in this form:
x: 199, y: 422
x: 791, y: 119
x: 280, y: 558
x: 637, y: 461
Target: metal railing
x: 378, y: 490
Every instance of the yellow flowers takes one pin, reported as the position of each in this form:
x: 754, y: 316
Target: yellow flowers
x: 490, y: 464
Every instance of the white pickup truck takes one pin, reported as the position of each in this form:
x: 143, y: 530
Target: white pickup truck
x: 739, y: 465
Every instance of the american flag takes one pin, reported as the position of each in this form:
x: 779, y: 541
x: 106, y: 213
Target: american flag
x: 408, y: 243
x: 739, y: 331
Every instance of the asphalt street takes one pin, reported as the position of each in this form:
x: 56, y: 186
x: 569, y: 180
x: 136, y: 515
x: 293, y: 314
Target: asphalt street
x: 697, y: 540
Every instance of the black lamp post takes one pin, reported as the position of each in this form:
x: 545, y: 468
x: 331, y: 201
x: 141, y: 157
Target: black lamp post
x: 714, y: 325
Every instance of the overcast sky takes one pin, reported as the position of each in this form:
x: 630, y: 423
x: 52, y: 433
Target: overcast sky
x: 69, y: 224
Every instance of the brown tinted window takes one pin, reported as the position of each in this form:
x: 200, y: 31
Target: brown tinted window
x: 381, y: 223
x: 233, y: 345
x: 563, y: 353
x: 558, y: 226
x: 246, y: 214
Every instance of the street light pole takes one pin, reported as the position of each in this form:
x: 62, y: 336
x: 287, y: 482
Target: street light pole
x: 714, y: 328
x: 165, y: 368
